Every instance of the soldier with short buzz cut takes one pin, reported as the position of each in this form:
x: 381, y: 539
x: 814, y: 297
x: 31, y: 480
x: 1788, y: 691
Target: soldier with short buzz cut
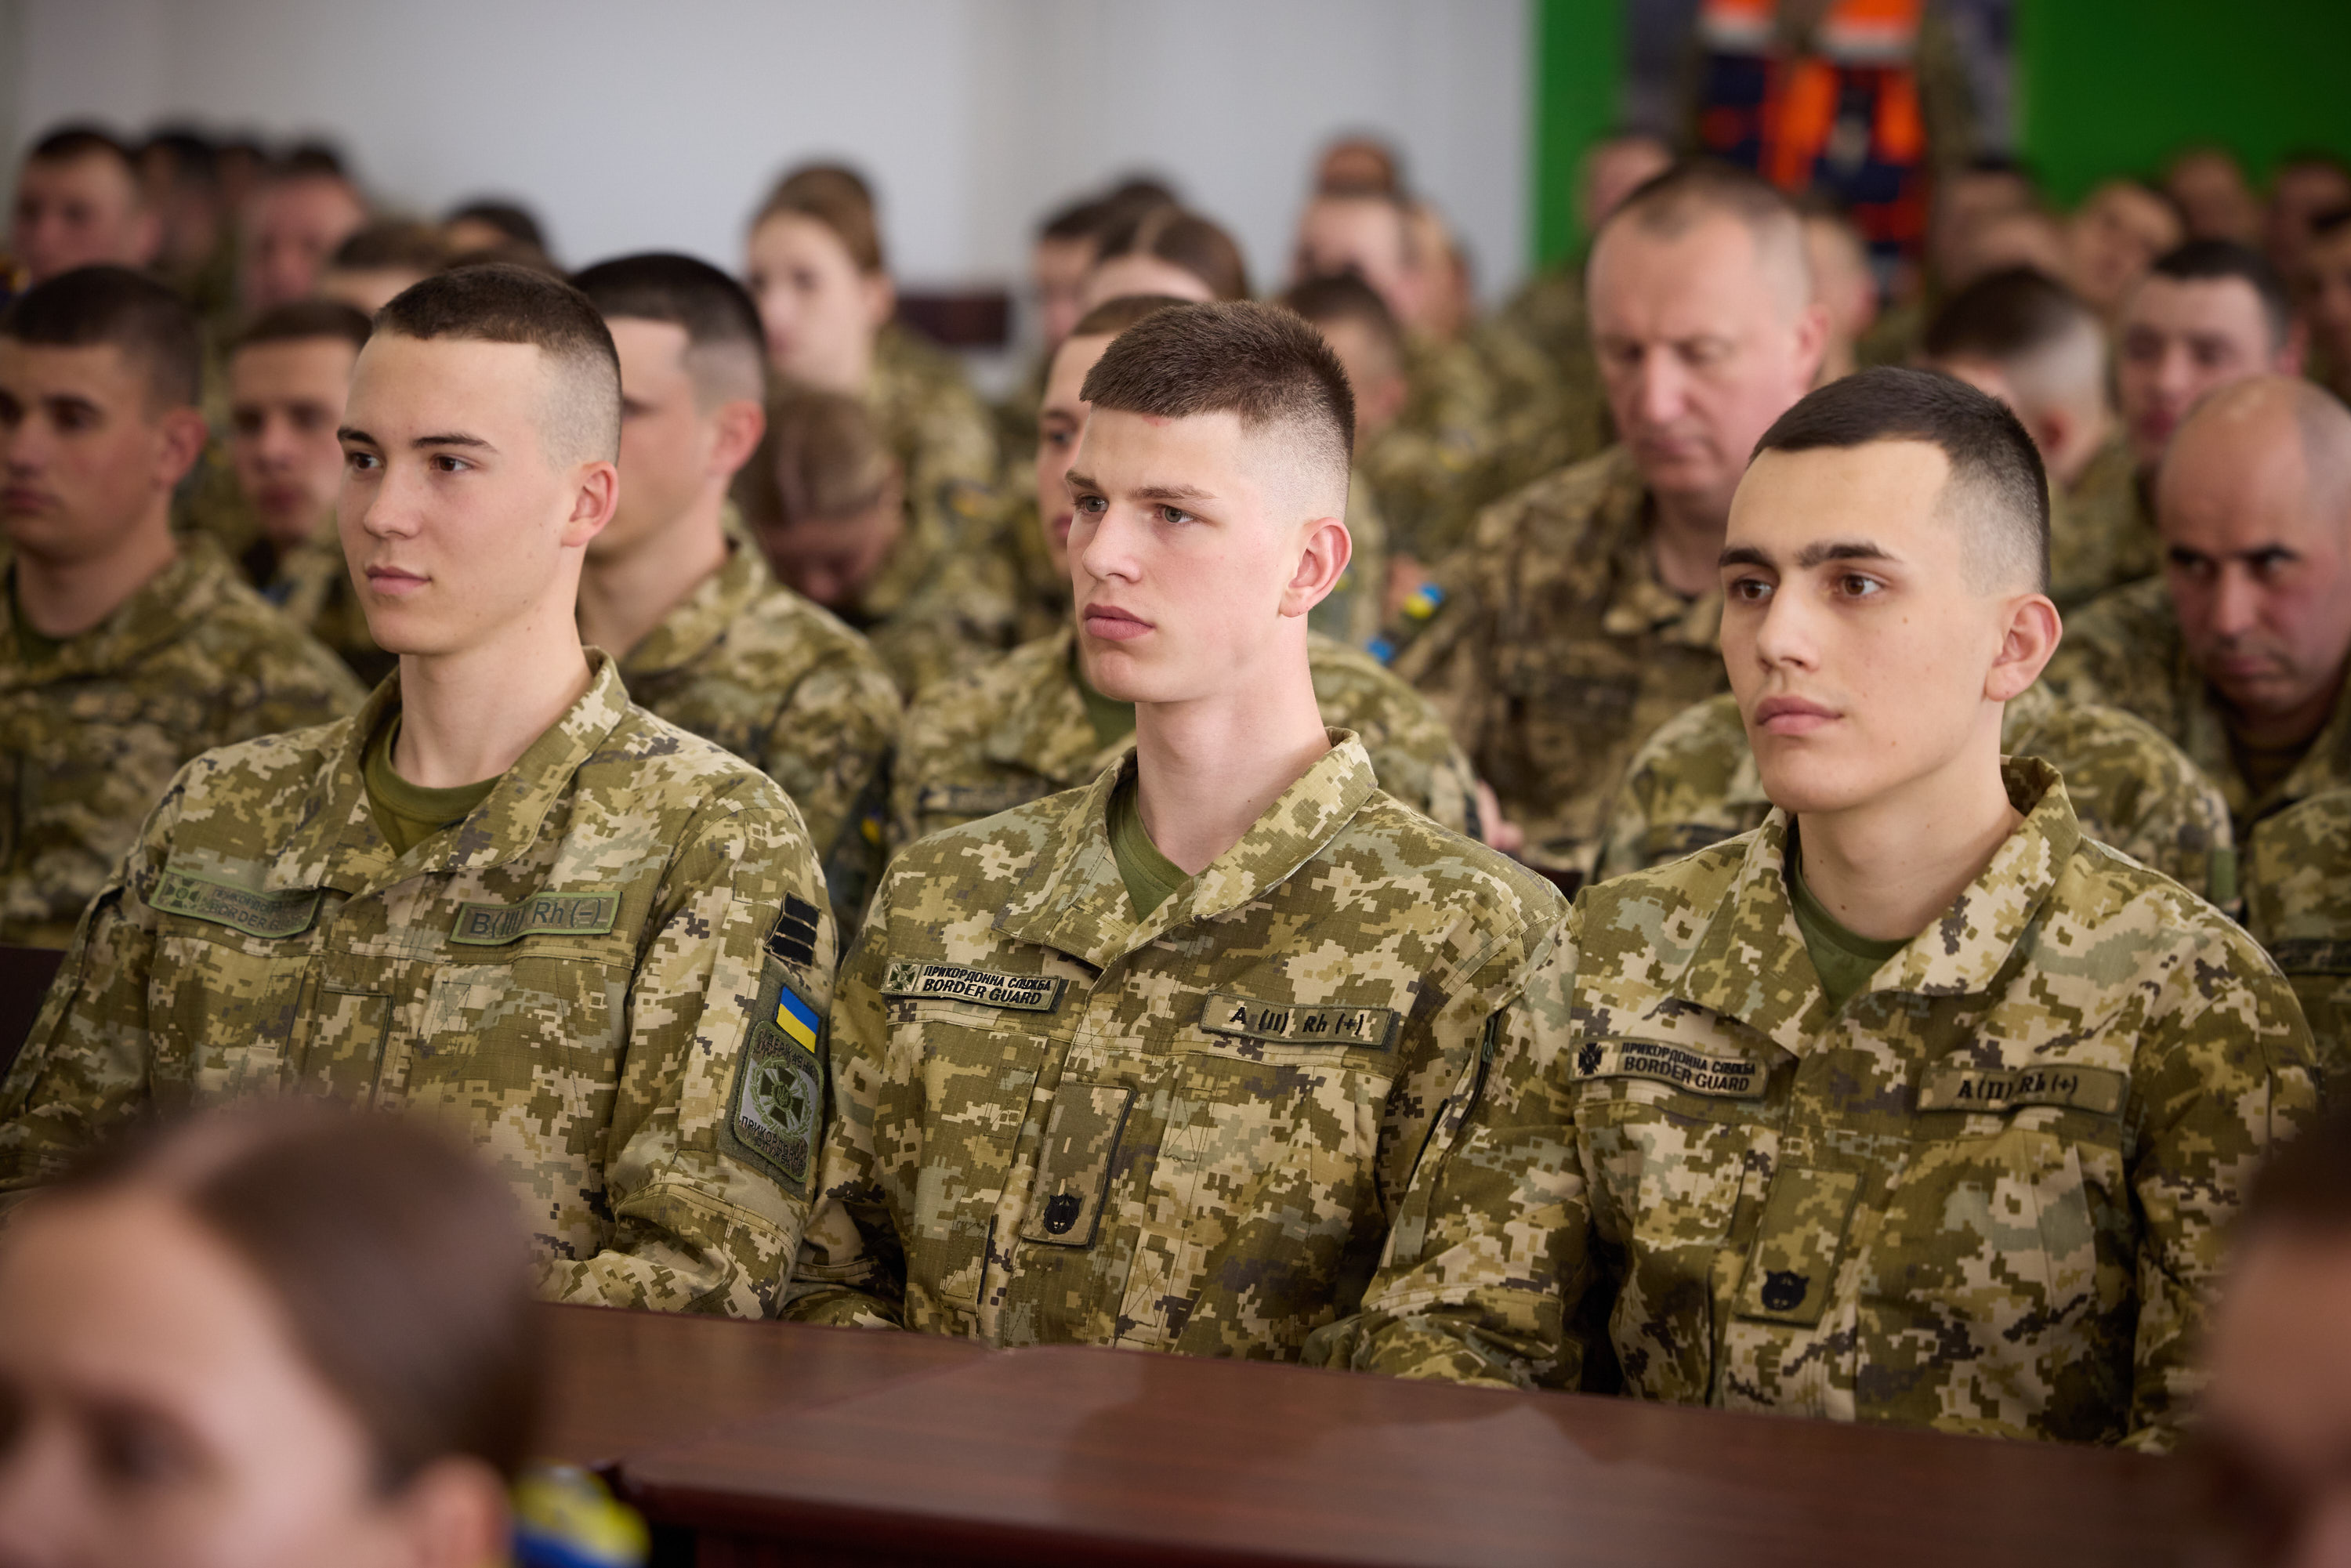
x: 1582, y: 611
x: 706, y: 636
x: 1914, y: 1105
x: 2241, y: 653
x: 1146, y: 1063
x: 123, y: 652
x: 1027, y: 724
x: 1696, y: 783
x: 501, y: 896
x: 2298, y: 904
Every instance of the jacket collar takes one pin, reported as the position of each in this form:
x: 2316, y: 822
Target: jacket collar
x: 698, y: 621
x: 337, y: 843
x: 160, y: 611
x: 1046, y: 730
x: 1081, y: 904
x: 1737, y: 967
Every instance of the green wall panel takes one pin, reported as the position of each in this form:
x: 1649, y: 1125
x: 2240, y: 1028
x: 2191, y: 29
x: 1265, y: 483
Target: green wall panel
x: 2118, y: 86
x: 1579, y: 58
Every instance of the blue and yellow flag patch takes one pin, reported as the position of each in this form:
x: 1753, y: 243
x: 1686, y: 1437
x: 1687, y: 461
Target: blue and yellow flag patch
x: 799, y: 1020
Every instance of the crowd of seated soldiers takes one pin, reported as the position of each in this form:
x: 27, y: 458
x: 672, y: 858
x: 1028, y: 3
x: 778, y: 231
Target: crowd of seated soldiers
x: 830, y: 557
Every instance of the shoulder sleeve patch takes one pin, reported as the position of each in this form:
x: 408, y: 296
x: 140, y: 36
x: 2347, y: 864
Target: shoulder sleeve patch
x: 776, y: 1111
x: 793, y: 940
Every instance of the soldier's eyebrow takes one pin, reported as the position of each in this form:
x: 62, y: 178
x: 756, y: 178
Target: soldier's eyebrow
x: 1174, y: 492
x: 1745, y: 554
x: 1841, y: 549
x: 352, y: 433
x: 451, y: 439
x: 1077, y: 481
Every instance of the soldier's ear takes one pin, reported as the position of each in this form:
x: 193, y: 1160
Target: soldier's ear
x: 184, y: 434
x: 1322, y: 559
x: 2030, y: 635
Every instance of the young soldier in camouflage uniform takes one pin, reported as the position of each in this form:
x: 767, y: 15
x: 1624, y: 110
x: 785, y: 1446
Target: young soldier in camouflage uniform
x: 1914, y: 1105
x: 2298, y: 904
x: 1583, y: 612
x: 827, y: 502
x: 1027, y: 724
x: 1696, y: 783
x: 606, y: 959
x: 706, y: 637
x: 123, y: 654
x: 1146, y: 1063
x: 288, y: 376
x: 2238, y: 653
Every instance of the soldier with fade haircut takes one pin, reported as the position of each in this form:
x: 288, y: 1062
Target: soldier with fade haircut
x: 1146, y: 1063
x: 1583, y: 611
x: 501, y: 896
x: 123, y: 652
x: 706, y: 636
x: 1027, y: 724
x: 1914, y: 1105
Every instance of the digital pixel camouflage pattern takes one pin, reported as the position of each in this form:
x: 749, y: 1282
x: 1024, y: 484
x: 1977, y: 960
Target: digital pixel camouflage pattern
x: 2298, y: 905
x: 1015, y: 730
x: 2125, y: 650
x: 1990, y: 1195
x: 939, y: 429
x: 750, y: 666
x: 609, y: 976
x: 312, y: 585
x: 1555, y: 650
x: 1053, y: 1123
x: 91, y: 734
x: 2100, y: 536
x: 1695, y: 783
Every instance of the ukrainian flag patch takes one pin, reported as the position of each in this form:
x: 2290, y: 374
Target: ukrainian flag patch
x: 797, y: 1020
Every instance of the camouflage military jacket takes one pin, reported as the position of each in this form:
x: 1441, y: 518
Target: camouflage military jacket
x: 944, y: 595
x: 935, y: 424
x: 91, y: 734
x: 2126, y: 650
x: 2100, y: 536
x: 1420, y: 471
x: 2298, y: 904
x: 611, y: 976
x: 1041, y: 594
x: 1015, y: 730
x: 1989, y: 1195
x: 1055, y: 1123
x: 1696, y: 783
x: 752, y: 666
x: 1555, y: 652
x: 312, y: 584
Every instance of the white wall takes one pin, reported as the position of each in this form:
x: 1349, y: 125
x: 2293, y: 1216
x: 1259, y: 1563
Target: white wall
x: 633, y: 125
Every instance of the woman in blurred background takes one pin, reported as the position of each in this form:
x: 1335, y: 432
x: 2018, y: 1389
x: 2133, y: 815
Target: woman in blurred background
x: 816, y: 267
x: 284, y: 1336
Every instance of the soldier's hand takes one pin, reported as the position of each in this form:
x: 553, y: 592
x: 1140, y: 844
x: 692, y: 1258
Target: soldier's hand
x: 1500, y: 831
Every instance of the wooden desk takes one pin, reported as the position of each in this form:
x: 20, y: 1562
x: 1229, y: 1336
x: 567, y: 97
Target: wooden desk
x: 1096, y: 1456
x: 623, y: 1382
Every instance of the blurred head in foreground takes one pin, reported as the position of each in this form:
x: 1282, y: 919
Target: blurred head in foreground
x: 284, y: 1334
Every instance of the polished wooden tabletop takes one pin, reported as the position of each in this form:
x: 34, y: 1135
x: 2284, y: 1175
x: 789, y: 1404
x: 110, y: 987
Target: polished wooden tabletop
x: 1104, y: 1456
x: 621, y: 1382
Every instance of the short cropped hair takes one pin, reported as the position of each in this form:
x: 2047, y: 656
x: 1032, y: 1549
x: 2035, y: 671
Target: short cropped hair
x: 725, y: 350
x: 1671, y: 203
x: 2006, y: 315
x: 302, y: 320
x: 1181, y: 239
x: 839, y: 199
x: 1995, y: 468
x: 91, y: 306
x: 1112, y: 316
x: 822, y: 457
x: 2211, y: 260
x: 1347, y: 298
x: 510, y: 218
x: 392, y: 243
x: 82, y: 139
x: 1258, y: 362
x: 502, y: 303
